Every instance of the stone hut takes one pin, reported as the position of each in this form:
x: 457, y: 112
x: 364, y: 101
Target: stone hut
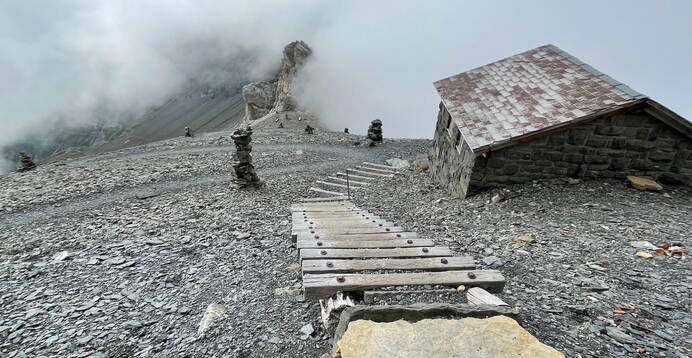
x: 545, y: 114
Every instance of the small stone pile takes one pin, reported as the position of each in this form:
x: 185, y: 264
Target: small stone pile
x: 243, y: 172
x: 188, y: 133
x: 27, y: 163
x: 309, y: 129
x: 375, y: 133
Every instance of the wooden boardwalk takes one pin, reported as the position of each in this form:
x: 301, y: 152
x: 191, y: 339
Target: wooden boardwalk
x: 351, y: 179
x: 343, y: 248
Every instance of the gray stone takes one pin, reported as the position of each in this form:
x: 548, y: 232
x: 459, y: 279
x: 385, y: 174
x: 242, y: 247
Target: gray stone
x: 213, y: 314
x: 307, y: 329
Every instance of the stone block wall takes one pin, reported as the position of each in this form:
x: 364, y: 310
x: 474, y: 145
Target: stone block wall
x: 451, y: 159
x: 633, y: 143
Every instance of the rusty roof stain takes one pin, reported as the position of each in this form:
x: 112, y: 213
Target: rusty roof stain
x: 528, y: 93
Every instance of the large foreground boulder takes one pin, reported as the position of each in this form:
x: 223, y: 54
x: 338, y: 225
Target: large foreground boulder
x: 495, y: 337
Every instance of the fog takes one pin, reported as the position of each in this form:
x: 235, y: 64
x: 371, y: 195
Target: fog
x: 62, y: 61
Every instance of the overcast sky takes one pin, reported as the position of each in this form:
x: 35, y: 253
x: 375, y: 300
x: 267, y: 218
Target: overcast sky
x: 373, y: 59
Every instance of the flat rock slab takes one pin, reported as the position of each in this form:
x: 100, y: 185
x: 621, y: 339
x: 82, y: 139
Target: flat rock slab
x: 495, y: 337
x: 642, y: 183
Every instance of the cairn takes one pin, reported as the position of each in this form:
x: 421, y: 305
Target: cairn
x: 345, y: 130
x: 375, y: 133
x: 188, y: 133
x: 281, y: 124
x: 243, y: 172
x: 309, y: 130
x: 27, y: 163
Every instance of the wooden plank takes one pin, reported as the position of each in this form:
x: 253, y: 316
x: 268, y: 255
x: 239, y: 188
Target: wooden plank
x: 350, y: 181
x: 336, y: 185
x: 307, y: 221
x: 319, y: 286
x: 327, y: 192
x: 297, y: 226
x: 372, y: 244
x: 333, y: 214
x: 434, y: 251
x: 363, y: 237
x: 332, y: 207
x: 362, y: 172
x: 323, y: 232
x: 298, y: 217
x: 332, y: 198
x: 479, y: 296
x: 419, y: 263
x: 375, y: 170
x: 382, y: 166
x: 359, y: 177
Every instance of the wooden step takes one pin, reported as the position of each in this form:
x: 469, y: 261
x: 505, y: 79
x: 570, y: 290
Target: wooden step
x: 353, y: 244
x: 374, y: 236
x: 336, y: 185
x: 351, y: 182
x: 324, y: 199
x: 433, y: 251
x: 324, y: 232
x: 325, y: 192
x: 329, y: 225
x: 382, y: 166
x: 324, y: 206
x: 319, y: 286
x: 419, y: 263
x: 359, y: 177
x: 345, y: 220
x: 374, y: 170
x: 362, y: 172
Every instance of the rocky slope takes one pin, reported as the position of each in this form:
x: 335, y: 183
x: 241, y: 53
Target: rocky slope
x: 120, y: 254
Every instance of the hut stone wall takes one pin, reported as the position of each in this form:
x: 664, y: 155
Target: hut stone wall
x: 632, y: 143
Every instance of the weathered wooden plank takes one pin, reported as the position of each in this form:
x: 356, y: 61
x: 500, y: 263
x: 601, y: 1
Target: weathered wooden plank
x: 363, y: 237
x: 318, y: 286
x: 324, y: 199
x: 337, y: 185
x: 352, y: 244
x: 297, y: 218
x: 419, y: 263
x: 316, y: 225
x: 323, y: 232
x: 479, y: 296
x: 358, y: 177
x: 326, y: 192
x: 350, y: 181
x: 332, y: 207
x: 335, y: 214
x: 307, y: 221
x: 382, y: 166
x: 434, y: 251
x: 374, y: 170
x: 362, y: 172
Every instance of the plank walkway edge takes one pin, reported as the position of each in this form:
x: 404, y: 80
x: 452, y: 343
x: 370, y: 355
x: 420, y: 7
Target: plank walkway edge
x: 318, y: 286
x: 422, y: 263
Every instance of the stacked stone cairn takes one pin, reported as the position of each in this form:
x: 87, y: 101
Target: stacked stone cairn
x: 188, y: 133
x: 243, y: 172
x: 375, y: 133
x: 27, y: 163
x: 309, y: 129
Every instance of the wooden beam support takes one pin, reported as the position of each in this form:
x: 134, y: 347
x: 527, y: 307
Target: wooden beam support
x: 318, y: 286
x: 434, y: 251
x: 420, y: 263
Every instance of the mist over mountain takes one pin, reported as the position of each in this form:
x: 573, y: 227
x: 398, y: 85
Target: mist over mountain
x: 101, y: 69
